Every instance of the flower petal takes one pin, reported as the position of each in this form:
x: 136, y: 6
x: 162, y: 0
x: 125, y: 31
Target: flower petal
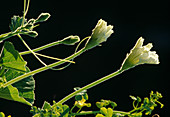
x: 99, y: 34
x: 140, y: 55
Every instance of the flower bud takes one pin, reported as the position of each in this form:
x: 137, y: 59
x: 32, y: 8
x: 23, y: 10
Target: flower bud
x: 42, y: 17
x: 70, y: 40
x: 31, y: 33
x: 99, y: 34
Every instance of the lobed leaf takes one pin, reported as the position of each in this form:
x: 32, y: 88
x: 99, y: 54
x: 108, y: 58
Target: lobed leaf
x: 14, y: 64
x: 25, y: 87
x: 11, y: 93
x: 10, y: 58
x: 22, y: 91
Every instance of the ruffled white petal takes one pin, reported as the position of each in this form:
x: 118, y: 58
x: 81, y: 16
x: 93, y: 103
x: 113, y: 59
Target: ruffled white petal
x: 140, y: 55
x: 99, y: 34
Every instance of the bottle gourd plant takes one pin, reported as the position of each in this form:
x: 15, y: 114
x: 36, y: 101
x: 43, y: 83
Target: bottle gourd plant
x: 17, y: 82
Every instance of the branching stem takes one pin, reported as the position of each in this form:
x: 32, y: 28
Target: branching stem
x: 42, y: 69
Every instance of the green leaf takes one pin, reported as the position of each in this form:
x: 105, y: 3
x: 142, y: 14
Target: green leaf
x: 16, y: 21
x: 34, y: 110
x: 113, y: 104
x: 57, y: 110
x: 78, y: 97
x: 65, y: 111
x: 25, y: 87
x: 22, y: 91
x: 11, y: 93
x: 46, y: 105
x: 10, y: 58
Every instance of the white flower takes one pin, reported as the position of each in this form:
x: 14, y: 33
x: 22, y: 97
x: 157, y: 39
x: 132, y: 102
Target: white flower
x: 140, y: 55
x: 99, y: 34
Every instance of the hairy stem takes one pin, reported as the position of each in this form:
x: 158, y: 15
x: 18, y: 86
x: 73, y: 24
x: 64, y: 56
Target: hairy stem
x: 42, y: 68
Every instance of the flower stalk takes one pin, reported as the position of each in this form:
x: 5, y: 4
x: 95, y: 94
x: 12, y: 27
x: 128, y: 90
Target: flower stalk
x: 91, y: 85
x: 42, y: 69
x: 72, y: 39
x: 138, y: 55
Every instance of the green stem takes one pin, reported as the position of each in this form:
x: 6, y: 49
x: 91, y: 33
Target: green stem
x: 41, y: 48
x: 74, y: 52
x: 31, y: 50
x: 85, y: 113
x: 135, y: 109
x: 71, y: 110
x: 121, y: 112
x: 24, y: 12
x: 42, y: 69
x: 27, y: 7
x: 134, y: 104
x: 90, y: 85
x: 7, y: 35
x: 2, y: 71
x: 96, y: 112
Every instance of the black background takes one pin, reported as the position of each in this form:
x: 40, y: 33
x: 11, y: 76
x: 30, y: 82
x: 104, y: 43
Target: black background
x: 151, y: 20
